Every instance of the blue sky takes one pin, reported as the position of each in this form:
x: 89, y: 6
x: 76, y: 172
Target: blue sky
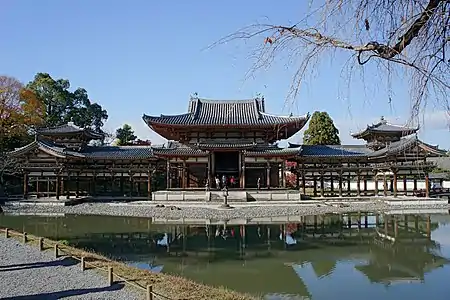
x: 136, y: 57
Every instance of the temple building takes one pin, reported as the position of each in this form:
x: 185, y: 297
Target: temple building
x: 235, y: 139
x: 60, y: 161
x: 215, y: 138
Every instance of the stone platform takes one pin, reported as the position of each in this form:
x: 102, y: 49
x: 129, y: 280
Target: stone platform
x: 233, y: 195
x: 48, y: 201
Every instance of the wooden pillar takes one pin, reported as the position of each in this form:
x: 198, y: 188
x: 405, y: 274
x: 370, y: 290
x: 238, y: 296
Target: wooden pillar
x: 332, y: 183
x: 314, y: 184
x: 169, y: 185
x: 340, y: 183
x: 94, y: 185
x: 57, y: 183
x: 395, y: 183
x: 303, y: 180
x: 385, y: 185
x: 297, y: 177
x: 405, y: 186
x: 376, y: 183
x: 358, y: 182
x: 322, y: 184
x: 62, y: 185
x: 37, y: 186
x: 209, y: 170
x: 122, y: 192
x: 243, y: 171
x: 268, y: 174
x: 77, y: 191
x: 25, y: 185
x: 149, y: 185
x: 427, y: 185
x: 131, y: 184
x: 283, y: 173
x: 113, y: 178
x: 48, y: 187
x: 184, y: 175
x: 349, y: 189
x: 67, y: 187
x: 365, y: 183
x: 415, y: 183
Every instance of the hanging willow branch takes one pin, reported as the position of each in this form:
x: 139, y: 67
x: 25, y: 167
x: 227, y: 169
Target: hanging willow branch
x: 410, y: 34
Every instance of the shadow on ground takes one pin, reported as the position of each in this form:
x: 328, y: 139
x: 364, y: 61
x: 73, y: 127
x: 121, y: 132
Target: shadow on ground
x: 65, y: 262
x: 67, y: 293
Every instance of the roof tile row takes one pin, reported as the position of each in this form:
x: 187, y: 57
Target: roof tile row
x: 175, y: 148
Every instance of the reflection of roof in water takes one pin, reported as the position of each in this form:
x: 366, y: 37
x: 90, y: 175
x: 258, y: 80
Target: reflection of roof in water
x: 384, y: 274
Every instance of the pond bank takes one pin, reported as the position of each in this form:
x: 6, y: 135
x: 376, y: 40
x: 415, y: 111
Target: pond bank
x: 202, y: 210
x: 17, y: 287
x: 27, y: 273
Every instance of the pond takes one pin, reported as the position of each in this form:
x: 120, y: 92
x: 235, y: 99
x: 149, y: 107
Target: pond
x: 359, y: 255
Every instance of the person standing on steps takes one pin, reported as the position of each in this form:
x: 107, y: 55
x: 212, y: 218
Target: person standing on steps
x: 217, y: 183
x: 224, y: 181
x: 258, y: 183
x: 232, y: 181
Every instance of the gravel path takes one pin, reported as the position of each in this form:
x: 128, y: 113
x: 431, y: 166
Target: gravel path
x: 27, y: 273
x: 212, y: 211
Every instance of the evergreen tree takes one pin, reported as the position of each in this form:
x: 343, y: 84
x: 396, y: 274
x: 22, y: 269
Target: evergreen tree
x: 321, y: 130
x: 125, y: 135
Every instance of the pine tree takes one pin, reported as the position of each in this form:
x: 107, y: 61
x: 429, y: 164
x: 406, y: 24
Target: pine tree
x: 321, y: 130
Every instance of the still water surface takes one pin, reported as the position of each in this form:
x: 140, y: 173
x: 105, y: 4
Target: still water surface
x: 320, y: 257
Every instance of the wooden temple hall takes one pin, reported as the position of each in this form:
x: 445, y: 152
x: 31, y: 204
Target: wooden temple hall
x: 232, y: 138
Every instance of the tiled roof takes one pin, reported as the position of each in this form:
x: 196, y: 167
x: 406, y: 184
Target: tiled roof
x: 174, y: 148
x: 103, y: 152
x: 395, y: 147
x: 226, y: 113
x: 69, y: 128
x: 432, y: 149
x: 226, y: 144
x: 118, y: 152
x: 46, y: 147
x: 384, y: 127
x: 334, y: 150
x: 272, y: 150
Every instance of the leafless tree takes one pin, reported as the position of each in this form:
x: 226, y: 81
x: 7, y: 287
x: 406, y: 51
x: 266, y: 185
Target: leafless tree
x: 410, y: 36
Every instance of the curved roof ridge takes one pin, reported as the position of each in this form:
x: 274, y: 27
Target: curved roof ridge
x: 166, y: 116
x: 401, y: 126
x: 225, y: 100
x: 305, y: 116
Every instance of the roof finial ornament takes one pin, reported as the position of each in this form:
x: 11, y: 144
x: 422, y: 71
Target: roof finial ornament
x: 194, y: 95
x: 383, y: 120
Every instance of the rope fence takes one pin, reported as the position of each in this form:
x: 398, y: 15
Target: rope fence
x: 59, y: 251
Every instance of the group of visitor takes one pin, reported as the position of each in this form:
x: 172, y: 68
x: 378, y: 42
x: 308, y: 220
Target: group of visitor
x: 224, y: 182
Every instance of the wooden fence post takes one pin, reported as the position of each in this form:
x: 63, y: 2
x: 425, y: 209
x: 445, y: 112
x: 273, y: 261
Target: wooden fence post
x: 24, y: 235
x: 6, y: 232
x: 149, y: 292
x: 83, y: 265
x: 110, y: 276
x: 41, y: 244
x: 56, y: 250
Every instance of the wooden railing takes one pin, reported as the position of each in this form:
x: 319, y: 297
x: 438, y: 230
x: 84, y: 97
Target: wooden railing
x: 59, y: 250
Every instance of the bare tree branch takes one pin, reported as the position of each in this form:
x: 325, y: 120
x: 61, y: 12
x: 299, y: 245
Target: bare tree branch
x: 410, y: 36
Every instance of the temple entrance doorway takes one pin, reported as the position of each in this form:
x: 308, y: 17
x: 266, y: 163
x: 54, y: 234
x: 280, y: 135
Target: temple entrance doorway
x: 227, y: 163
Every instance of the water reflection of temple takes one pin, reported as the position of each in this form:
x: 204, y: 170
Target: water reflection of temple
x: 255, y: 258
